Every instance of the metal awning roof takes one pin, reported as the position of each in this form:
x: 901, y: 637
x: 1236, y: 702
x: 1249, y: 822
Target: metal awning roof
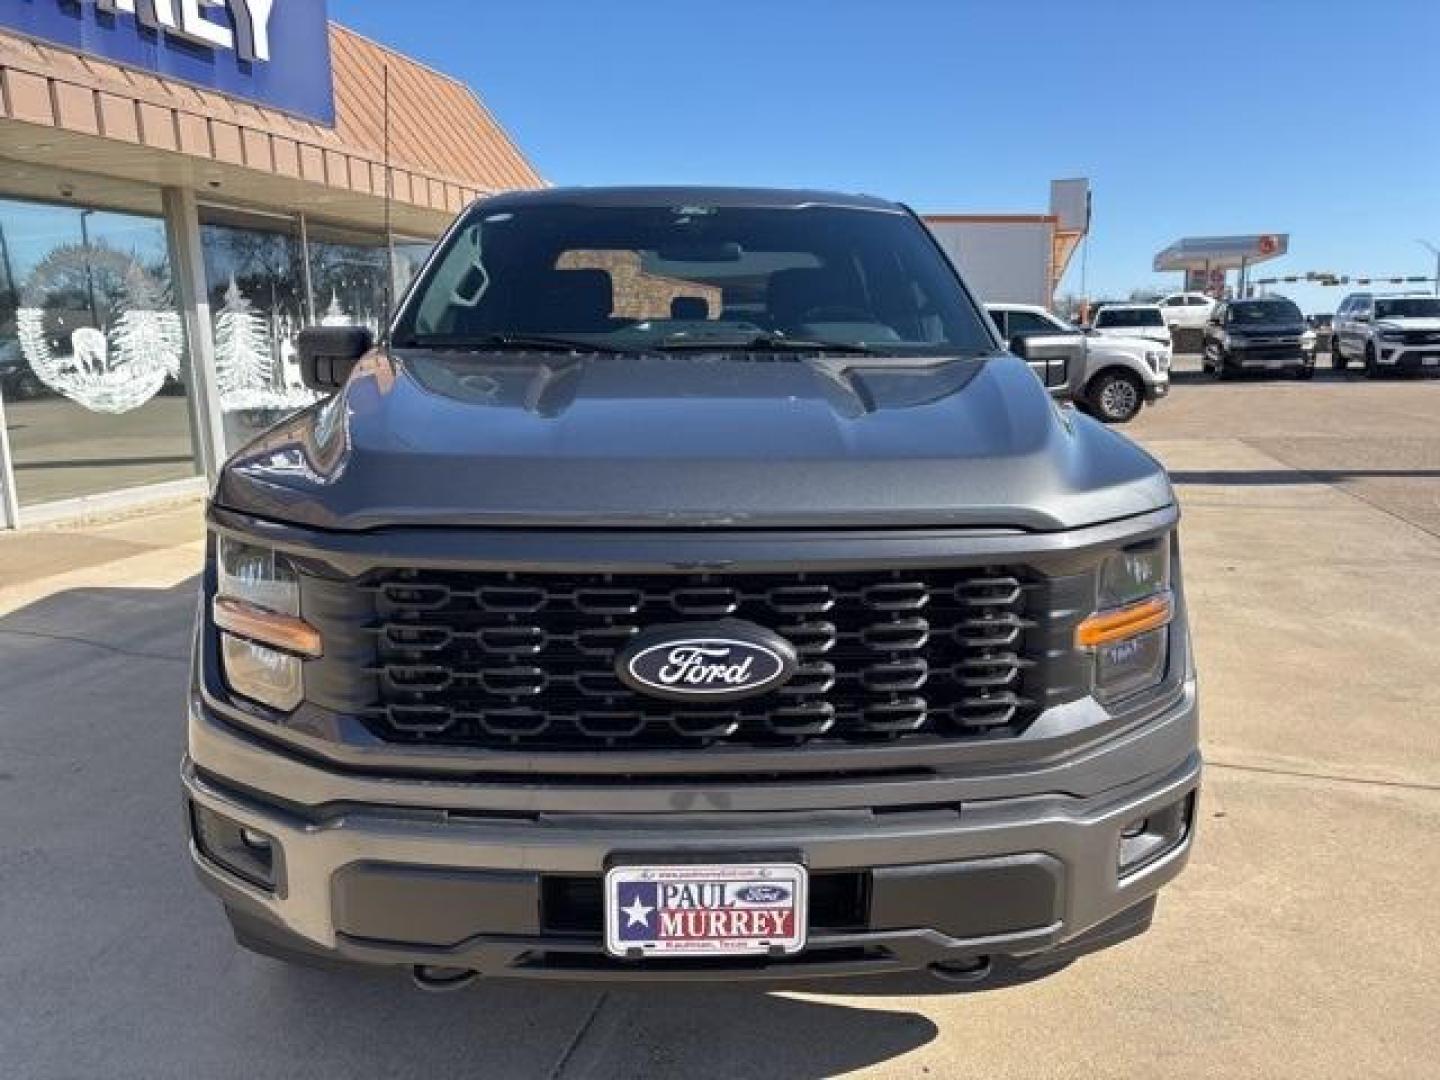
x: 1222, y: 252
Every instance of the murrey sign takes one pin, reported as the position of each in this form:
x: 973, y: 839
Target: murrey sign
x: 183, y: 18
x: 271, y: 52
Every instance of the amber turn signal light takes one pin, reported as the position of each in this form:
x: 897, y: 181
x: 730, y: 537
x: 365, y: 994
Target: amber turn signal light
x: 1125, y: 622
x: 281, y: 631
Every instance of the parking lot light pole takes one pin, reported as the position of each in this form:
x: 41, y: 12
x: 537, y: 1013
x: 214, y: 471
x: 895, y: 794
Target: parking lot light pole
x: 1436, y: 252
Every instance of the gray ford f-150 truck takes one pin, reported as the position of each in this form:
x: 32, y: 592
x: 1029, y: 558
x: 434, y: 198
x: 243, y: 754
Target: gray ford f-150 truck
x: 690, y: 587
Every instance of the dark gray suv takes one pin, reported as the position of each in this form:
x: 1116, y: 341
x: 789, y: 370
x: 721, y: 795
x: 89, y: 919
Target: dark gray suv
x: 691, y: 587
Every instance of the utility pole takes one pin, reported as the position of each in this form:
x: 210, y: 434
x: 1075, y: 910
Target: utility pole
x: 89, y: 273
x: 1436, y: 252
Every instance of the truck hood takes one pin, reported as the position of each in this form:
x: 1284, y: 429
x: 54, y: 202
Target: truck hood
x: 1101, y: 346
x: 1412, y: 323
x: 425, y: 438
x: 1160, y: 334
x: 1269, y: 329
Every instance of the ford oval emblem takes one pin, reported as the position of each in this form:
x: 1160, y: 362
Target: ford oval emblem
x: 719, y: 661
x: 762, y: 894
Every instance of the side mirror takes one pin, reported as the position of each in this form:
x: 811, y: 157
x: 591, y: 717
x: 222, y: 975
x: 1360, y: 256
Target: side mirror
x: 328, y: 354
x: 1049, y: 358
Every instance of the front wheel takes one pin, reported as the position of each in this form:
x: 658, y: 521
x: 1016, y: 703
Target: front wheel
x: 1337, y: 358
x: 1372, y: 365
x: 1305, y: 372
x: 1116, y: 396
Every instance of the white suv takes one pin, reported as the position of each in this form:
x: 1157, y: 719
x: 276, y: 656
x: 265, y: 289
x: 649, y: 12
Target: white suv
x: 1132, y: 320
x: 1394, y: 333
x: 1116, y: 377
x: 1186, y: 310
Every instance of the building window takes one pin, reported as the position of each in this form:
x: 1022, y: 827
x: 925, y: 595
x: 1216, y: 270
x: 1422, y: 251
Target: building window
x: 93, y: 363
x: 269, y: 277
x: 255, y: 274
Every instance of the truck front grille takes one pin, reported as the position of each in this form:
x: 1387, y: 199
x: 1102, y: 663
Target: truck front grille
x: 524, y: 660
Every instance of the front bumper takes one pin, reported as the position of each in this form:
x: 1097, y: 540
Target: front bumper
x: 1408, y: 357
x: 1263, y: 358
x: 416, y: 872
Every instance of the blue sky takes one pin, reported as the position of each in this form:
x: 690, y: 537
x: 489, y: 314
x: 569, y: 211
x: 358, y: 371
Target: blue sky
x: 1314, y: 118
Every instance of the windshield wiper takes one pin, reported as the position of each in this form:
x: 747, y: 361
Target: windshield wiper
x: 761, y: 343
x: 554, y: 343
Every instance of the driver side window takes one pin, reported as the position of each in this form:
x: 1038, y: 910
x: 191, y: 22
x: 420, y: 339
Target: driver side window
x: 1023, y: 323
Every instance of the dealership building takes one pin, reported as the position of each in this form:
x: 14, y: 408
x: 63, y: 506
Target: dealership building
x: 184, y: 184
x: 182, y: 187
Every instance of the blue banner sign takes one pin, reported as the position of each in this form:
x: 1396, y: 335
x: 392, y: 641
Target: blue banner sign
x: 270, y: 52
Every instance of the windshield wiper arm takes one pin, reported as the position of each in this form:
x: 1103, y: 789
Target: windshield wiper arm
x: 555, y: 343
x: 761, y: 343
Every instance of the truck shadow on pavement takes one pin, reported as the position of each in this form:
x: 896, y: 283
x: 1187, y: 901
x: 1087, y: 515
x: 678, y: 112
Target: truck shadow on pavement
x: 116, y: 963
x: 1291, y: 477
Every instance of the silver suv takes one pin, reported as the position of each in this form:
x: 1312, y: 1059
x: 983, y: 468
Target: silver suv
x: 1387, y: 333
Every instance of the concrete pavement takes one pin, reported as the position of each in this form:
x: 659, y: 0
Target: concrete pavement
x: 1298, y: 944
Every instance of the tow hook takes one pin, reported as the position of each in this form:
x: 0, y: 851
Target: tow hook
x: 974, y: 969
x: 439, y: 980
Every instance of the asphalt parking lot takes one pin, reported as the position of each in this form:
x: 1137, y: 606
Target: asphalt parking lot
x: 1300, y: 943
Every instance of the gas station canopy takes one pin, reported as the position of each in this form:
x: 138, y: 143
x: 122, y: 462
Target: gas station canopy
x: 1208, y: 253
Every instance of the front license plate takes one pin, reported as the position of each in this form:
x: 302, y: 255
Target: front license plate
x: 705, y: 910
x: 1431, y: 361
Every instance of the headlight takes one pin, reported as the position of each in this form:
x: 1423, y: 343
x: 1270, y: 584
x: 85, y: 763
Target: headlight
x: 1135, y: 573
x: 263, y: 640
x: 257, y: 576
x: 1129, y: 633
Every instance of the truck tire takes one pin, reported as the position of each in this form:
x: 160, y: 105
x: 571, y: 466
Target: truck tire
x: 1372, y: 365
x: 1116, y: 396
x: 1337, y: 358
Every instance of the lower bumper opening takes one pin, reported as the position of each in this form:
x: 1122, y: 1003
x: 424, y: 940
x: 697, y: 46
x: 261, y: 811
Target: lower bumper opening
x: 440, y: 908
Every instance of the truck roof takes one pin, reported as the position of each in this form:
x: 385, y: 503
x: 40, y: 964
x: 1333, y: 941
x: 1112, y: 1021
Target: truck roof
x: 768, y: 198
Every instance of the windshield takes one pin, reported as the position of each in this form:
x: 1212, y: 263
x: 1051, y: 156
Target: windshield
x: 1409, y: 307
x: 662, y: 277
x: 1254, y: 312
x: 1111, y: 317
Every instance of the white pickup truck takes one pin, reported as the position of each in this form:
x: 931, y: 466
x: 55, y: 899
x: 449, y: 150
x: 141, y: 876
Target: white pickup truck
x: 1112, y: 376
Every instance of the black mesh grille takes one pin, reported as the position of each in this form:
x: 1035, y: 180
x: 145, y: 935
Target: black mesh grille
x: 516, y: 660
x: 1272, y: 352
